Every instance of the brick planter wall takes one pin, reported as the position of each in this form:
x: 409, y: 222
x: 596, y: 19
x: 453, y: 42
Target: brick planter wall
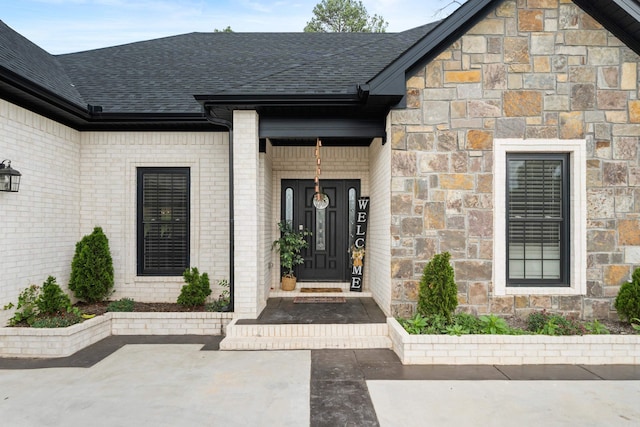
x: 513, y: 350
x: 61, y: 342
x: 53, y: 342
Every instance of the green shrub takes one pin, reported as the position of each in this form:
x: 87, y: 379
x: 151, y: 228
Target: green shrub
x: 56, y: 321
x: 457, y: 330
x: 52, y: 299
x: 596, y: 328
x: 415, y: 324
x: 122, y: 305
x: 542, y: 322
x: 92, y: 268
x: 27, y: 308
x: 460, y: 324
x: 197, y: 289
x: 628, y: 300
x: 224, y: 300
x: 438, y: 290
x: 494, y: 325
x: 468, y: 322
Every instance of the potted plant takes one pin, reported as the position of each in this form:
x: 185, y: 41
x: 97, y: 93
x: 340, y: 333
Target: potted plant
x: 290, y: 244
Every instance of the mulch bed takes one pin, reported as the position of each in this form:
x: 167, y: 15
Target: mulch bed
x: 99, y: 308
x: 615, y: 327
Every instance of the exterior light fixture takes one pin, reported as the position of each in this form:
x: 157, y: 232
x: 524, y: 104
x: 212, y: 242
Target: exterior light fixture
x: 9, y: 177
x: 320, y: 200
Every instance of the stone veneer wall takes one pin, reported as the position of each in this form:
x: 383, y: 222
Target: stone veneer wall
x: 530, y: 69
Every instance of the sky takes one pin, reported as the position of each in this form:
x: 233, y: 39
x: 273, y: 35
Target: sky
x: 64, y: 26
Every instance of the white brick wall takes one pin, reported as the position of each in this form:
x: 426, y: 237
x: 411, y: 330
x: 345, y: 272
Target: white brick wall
x: 247, y: 250
x: 39, y: 226
x: 108, y: 169
x: 378, y: 256
x: 266, y: 225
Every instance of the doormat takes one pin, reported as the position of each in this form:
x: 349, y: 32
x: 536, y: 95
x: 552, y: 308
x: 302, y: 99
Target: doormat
x: 318, y: 290
x: 316, y: 300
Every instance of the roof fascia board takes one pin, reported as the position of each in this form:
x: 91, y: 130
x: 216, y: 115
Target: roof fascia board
x: 392, y: 78
x: 630, y: 7
x: 337, y: 127
x: 284, y: 100
x: 49, y: 97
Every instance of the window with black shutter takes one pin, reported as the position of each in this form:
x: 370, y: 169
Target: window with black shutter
x: 537, y: 220
x: 163, y: 221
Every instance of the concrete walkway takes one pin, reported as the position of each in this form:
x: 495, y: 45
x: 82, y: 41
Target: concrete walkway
x: 184, y: 381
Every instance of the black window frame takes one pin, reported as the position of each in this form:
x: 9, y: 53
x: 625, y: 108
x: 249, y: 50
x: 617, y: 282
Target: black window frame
x: 564, y: 220
x: 142, y: 270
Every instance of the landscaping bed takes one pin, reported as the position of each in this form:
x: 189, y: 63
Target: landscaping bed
x: 615, y: 327
x: 99, y: 308
x: 26, y: 342
x: 513, y: 349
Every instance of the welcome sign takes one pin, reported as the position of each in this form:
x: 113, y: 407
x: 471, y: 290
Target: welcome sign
x: 359, y: 243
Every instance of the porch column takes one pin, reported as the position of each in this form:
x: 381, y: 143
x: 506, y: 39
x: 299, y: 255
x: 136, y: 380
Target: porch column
x: 246, y: 208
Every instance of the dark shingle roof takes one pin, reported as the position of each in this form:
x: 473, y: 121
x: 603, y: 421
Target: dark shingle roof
x: 25, y: 60
x: 163, y: 75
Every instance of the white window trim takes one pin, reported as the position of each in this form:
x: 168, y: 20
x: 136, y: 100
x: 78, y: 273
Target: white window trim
x: 576, y: 148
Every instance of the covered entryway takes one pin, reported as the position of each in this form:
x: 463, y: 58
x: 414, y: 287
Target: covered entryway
x: 327, y: 257
x: 265, y: 153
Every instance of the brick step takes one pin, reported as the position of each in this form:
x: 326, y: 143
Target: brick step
x: 299, y: 336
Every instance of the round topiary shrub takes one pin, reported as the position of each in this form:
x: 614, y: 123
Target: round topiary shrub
x: 92, y: 268
x: 438, y: 290
x: 628, y: 300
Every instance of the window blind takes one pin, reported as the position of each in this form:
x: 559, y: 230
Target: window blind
x: 164, y: 221
x: 536, y: 218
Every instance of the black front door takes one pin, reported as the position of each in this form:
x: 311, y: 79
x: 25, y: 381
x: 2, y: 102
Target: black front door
x: 327, y: 257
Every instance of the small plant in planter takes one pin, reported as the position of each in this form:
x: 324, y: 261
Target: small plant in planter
x: 222, y: 304
x: 27, y: 308
x: 122, y: 305
x: 290, y: 245
x: 52, y: 299
x: 627, y: 302
x: 196, y: 290
x: 44, y: 307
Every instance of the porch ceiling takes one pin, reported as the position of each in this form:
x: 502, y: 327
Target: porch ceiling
x: 326, y: 142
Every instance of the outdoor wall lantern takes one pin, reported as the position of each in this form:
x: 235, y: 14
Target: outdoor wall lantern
x: 9, y: 177
x: 320, y: 199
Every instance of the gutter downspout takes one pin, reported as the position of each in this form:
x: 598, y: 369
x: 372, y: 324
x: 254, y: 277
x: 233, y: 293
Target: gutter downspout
x: 229, y: 125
